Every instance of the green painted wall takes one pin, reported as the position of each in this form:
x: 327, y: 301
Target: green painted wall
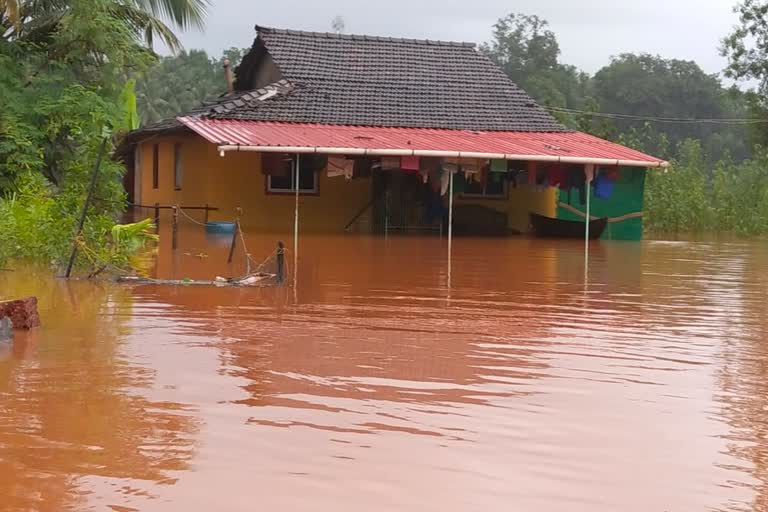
x: 627, y: 198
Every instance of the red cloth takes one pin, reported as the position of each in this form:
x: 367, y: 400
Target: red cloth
x: 409, y: 163
x: 532, y: 174
x: 612, y: 172
x: 555, y: 175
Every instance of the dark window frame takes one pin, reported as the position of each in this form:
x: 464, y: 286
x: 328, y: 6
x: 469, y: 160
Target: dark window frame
x: 270, y: 188
x: 484, y: 193
x: 178, y: 173
x: 155, y: 166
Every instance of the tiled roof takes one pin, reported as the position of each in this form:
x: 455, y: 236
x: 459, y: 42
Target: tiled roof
x: 380, y: 81
x: 220, y: 105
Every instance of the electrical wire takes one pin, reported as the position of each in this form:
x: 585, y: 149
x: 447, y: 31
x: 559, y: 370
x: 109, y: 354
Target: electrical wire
x: 657, y: 119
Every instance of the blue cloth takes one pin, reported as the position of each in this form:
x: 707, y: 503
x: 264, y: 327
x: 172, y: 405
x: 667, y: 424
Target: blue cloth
x: 603, y: 186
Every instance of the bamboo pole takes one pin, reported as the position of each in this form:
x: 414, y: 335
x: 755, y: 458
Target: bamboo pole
x: 175, y: 228
x: 86, y: 205
x: 238, y: 211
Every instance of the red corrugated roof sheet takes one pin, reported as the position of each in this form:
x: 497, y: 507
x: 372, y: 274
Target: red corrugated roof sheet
x: 295, y: 137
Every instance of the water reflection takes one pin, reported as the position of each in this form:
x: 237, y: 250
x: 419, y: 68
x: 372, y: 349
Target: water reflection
x: 74, y: 412
x: 374, y: 388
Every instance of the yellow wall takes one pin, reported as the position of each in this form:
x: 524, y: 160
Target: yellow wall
x: 236, y: 180
x: 522, y: 200
x: 194, y: 164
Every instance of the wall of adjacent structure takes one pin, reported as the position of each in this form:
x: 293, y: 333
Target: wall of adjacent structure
x: 236, y: 180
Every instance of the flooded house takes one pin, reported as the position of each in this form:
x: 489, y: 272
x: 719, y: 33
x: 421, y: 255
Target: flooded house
x: 378, y: 134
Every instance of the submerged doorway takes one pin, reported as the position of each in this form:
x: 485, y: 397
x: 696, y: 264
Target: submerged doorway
x: 403, y: 202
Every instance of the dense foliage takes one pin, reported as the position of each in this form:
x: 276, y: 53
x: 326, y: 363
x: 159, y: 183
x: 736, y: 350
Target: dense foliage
x: 65, y: 88
x: 719, y: 175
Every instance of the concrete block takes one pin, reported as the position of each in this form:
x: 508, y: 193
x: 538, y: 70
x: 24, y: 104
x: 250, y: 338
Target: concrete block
x: 22, y: 312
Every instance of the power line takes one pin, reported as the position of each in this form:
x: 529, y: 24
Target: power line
x: 679, y: 120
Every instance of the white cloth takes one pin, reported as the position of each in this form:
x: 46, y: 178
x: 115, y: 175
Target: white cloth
x: 340, y: 166
x: 445, y: 181
x: 390, y: 163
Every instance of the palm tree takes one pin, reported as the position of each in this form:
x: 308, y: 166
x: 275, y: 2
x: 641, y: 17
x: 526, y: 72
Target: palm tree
x: 35, y: 19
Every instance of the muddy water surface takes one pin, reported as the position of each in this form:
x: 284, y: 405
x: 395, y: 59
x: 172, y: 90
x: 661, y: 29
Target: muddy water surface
x: 376, y: 388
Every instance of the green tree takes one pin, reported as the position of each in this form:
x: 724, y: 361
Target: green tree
x: 37, y: 20
x: 528, y: 52
x: 746, y: 48
x: 523, y: 46
x: 647, y: 86
x: 60, y: 96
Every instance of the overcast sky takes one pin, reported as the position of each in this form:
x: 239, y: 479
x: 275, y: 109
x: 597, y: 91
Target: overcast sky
x: 589, y: 31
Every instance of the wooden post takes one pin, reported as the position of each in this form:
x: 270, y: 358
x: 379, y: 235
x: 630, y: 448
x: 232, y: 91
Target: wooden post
x: 86, y: 205
x: 280, y: 262
x: 157, y: 215
x: 175, y: 230
x: 234, y: 240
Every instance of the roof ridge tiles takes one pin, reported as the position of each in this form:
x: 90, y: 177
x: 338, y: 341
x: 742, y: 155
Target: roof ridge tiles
x: 364, y: 37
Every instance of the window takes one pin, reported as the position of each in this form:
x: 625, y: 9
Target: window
x: 495, y: 186
x: 155, y: 165
x: 177, y: 169
x: 283, y: 180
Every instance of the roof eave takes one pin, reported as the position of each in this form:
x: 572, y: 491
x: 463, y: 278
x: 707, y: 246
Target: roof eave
x: 223, y: 148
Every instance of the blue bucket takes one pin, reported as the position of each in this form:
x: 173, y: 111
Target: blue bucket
x: 220, y: 227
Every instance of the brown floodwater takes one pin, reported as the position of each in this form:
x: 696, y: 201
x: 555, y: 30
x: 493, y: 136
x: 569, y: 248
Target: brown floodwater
x: 372, y: 386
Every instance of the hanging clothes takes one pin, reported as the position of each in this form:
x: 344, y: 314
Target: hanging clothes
x: 459, y: 184
x: 409, y: 163
x: 612, y: 172
x: 470, y: 167
x: 498, y: 165
x: 603, y: 186
x: 445, y: 181
x: 532, y: 174
x: 340, y: 166
x: 390, y: 163
x: 555, y: 174
x: 580, y: 184
x: 450, y: 166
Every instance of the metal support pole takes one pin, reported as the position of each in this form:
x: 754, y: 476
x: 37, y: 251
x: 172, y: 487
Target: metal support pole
x: 450, y: 226
x: 296, y: 225
x: 589, y: 172
x: 157, y: 216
